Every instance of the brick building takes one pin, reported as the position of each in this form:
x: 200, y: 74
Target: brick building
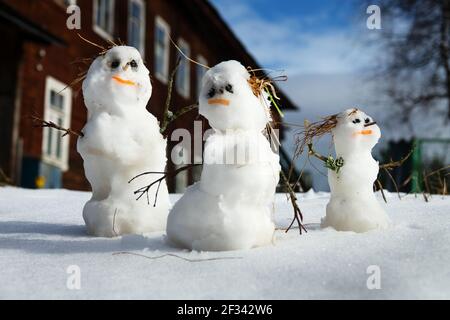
x: 37, y: 62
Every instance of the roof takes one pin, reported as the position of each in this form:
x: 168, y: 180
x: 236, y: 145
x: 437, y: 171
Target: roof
x: 32, y: 30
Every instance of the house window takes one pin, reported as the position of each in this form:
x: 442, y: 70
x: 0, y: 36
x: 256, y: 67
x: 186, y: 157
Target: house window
x: 200, y: 73
x: 136, y: 25
x: 57, y: 109
x: 162, y: 49
x: 184, y: 75
x: 104, y: 18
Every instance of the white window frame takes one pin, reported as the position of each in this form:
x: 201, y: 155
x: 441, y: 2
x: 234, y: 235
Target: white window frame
x: 106, y: 34
x: 200, y: 59
x: 50, y: 114
x: 184, y: 86
x: 142, y: 20
x: 161, y: 23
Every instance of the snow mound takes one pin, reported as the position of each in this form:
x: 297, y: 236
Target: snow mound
x: 42, y: 234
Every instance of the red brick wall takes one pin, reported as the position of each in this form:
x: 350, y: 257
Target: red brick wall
x: 186, y: 19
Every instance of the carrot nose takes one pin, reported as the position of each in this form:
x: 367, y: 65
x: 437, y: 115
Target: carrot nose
x: 364, y: 132
x: 223, y: 102
x: 123, y: 81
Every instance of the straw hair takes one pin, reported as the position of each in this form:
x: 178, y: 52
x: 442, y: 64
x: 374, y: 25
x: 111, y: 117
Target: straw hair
x: 260, y: 85
x: 87, y: 61
x: 315, y: 130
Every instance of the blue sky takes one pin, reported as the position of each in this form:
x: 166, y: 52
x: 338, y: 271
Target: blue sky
x: 300, y: 36
x: 320, y: 45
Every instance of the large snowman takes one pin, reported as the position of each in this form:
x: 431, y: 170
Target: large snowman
x: 121, y: 140
x: 353, y: 205
x: 231, y: 207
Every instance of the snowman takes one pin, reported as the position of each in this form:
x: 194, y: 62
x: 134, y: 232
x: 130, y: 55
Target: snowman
x: 231, y: 207
x: 121, y: 140
x: 353, y: 205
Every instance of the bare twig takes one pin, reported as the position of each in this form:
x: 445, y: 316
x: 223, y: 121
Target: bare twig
x: 437, y: 171
x: 146, y: 189
x: 166, y: 115
x: 380, y: 186
x: 41, y: 123
x: 395, y: 164
x: 4, y: 179
x: 174, y: 116
x: 312, y: 152
x: 114, y: 223
x: 393, y: 181
x: 298, y: 216
x: 425, y: 196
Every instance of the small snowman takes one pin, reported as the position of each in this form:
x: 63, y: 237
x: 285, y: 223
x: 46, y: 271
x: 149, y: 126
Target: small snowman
x: 231, y: 207
x: 121, y: 140
x: 353, y: 205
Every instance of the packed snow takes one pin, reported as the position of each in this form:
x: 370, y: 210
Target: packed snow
x: 43, y: 236
x: 121, y: 140
x: 353, y: 206
x: 231, y: 207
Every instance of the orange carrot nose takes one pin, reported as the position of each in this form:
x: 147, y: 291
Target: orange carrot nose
x: 364, y: 132
x: 223, y: 102
x: 123, y: 81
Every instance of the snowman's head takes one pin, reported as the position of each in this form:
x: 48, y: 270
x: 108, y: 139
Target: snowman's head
x: 117, y: 82
x: 228, y: 102
x: 355, y: 131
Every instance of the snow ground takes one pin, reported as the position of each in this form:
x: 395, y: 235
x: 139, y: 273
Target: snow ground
x: 42, y: 234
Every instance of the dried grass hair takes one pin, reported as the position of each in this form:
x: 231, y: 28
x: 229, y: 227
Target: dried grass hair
x: 259, y: 85
x: 314, y: 130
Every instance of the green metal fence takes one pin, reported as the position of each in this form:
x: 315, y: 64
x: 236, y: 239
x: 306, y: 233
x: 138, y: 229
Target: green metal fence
x: 418, y: 160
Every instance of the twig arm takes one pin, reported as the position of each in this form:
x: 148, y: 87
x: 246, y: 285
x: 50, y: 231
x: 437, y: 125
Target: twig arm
x: 163, y: 175
x: 313, y: 153
x: 41, y: 123
x: 330, y: 162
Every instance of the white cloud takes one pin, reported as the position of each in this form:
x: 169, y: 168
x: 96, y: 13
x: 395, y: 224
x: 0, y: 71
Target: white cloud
x: 296, y: 46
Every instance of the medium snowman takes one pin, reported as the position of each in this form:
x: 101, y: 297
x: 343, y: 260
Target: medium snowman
x: 231, y: 207
x: 353, y: 205
x: 121, y: 140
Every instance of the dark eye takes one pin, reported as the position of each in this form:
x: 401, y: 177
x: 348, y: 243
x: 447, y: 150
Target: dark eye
x: 133, y: 64
x: 356, y: 121
x: 115, y: 64
x: 229, y: 88
x: 367, y: 121
x: 212, y: 92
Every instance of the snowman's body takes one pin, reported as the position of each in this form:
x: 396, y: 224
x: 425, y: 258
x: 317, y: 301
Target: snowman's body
x: 121, y: 140
x: 353, y: 205
x: 231, y: 207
